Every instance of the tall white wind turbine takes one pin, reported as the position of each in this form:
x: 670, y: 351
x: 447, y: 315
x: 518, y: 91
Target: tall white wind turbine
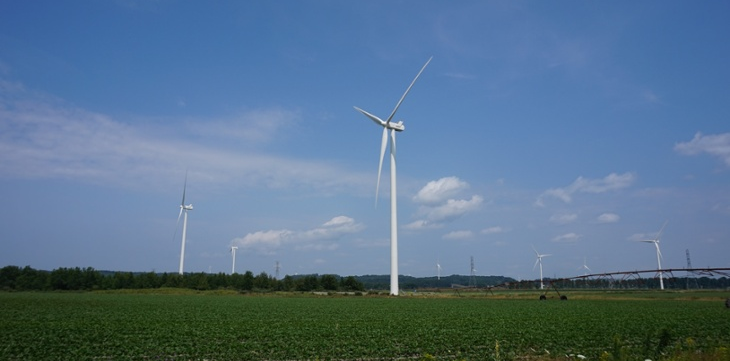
x: 539, y: 261
x: 438, y: 270
x: 658, y: 254
x: 233, y: 254
x: 184, y: 209
x: 394, y: 127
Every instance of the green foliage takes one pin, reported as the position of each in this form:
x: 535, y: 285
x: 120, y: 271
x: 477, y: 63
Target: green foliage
x: 13, y: 278
x: 195, y: 325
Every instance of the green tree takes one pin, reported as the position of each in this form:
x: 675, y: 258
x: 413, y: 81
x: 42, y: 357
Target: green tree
x: 247, y: 281
x: 329, y: 282
x: 351, y: 283
x: 263, y: 281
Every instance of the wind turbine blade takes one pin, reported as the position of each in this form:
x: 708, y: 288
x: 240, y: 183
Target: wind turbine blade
x: 383, y: 144
x: 177, y: 224
x: 533, y: 248
x: 371, y: 116
x: 407, y: 90
x: 661, y: 230
x: 185, y: 187
x: 536, y: 261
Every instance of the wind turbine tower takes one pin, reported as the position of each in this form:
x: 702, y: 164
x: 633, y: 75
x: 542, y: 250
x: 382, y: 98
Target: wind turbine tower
x: 472, y: 274
x: 539, y: 260
x: 183, y: 209
x: 277, y: 266
x: 658, y: 254
x: 233, y: 254
x: 438, y: 270
x: 393, y: 127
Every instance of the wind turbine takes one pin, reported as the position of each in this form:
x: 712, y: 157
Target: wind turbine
x: 394, y: 127
x: 183, y: 208
x: 233, y: 252
x: 438, y: 270
x: 585, y: 267
x: 539, y: 260
x: 658, y: 254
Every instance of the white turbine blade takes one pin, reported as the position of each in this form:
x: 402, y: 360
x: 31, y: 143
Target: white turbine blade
x: 185, y: 187
x: 383, y: 144
x: 536, y: 261
x: 533, y: 248
x: 392, y: 143
x: 658, y: 251
x: 661, y: 230
x: 177, y: 224
x: 407, y: 90
x: 371, y: 116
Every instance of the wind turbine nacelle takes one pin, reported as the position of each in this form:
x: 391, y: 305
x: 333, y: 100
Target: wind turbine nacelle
x: 398, y: 127
x: 189, y: 207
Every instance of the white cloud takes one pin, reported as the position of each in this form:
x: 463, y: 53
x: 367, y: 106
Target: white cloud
x: 563, y: 218
x: 717, y: 145
x: 312, y: 239
x: 437, y: 206
x: 422, y: 224
x: 459, y: 235
x: 452, y: 209
x: 437, y: 191
x: 567, y: 238
x: 493, y: 230
x: 608, y: 218
x: 611, y: 182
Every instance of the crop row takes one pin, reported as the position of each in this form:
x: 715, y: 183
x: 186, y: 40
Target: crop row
x: 57, y: 326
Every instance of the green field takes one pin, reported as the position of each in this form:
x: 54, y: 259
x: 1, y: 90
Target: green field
x: 227, y: 326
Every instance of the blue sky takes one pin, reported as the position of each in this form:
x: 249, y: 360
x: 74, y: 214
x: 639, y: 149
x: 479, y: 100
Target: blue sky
x: 575, y: 127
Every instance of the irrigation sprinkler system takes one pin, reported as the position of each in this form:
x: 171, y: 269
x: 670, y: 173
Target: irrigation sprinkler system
x: 613, y: 280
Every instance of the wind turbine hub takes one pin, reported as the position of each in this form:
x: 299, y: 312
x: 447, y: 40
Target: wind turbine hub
x: 398, y: 127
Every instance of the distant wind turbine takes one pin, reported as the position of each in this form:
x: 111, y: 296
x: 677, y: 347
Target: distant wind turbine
x: 585, y: 267
x: 539, y: 260
x: 438, y: 270
x: 394, y: 127
x: 658, y: 254
x: 233, y: 253
x: 183, y: 208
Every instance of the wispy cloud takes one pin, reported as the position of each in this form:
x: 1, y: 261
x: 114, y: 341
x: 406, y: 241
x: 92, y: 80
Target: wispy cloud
x: 608, y: 218
x: 563, y: 218
x: 493, y: 230
x: 257, y: 125
x: 422, y: 224
x: 319, y: 238
x: 458, y: 235
x: 717, y: 145
x: 42, y: 137
x: 567, y: 238
x: 611, y: 182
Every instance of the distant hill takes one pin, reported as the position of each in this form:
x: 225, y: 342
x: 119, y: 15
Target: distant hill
x: 382, y: 282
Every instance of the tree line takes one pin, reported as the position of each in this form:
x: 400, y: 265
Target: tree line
x: 14, y: 278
